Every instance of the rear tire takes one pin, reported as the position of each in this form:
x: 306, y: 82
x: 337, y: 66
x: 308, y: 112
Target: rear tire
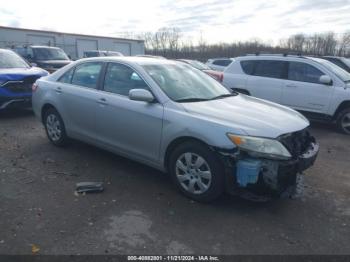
x: 55, y: 129
x: 343, y: 121
x: 197, y: 172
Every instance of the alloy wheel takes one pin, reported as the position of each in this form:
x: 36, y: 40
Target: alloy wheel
x: 345, y: 123
x: 53, y: 127
x: 193, y: 173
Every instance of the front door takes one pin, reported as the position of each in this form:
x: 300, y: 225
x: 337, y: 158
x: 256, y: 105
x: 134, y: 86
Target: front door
x: 131, y: 127
x: 303, y: 90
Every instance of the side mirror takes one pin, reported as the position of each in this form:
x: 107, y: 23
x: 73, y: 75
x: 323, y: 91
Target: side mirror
x: 141, y: 95
x: 326, y: 80
x: 33, y: 64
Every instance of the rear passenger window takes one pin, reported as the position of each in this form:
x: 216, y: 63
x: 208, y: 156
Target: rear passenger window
x: 225, y: 62
x: 270, y: 68
x: 304, y: 72
x: 87, y: 75
x: 120, y: 79
x: 248, y: 67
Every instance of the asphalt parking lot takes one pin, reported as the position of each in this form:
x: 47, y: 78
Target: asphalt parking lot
x: 140, y: 212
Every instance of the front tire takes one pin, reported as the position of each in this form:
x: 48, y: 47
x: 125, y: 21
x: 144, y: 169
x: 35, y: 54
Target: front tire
x: 197, y: 171
x: 343, y: 121
x: 55, y: 129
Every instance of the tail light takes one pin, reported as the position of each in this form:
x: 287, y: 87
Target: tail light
x: 221, y: 77
x: 35, y: 87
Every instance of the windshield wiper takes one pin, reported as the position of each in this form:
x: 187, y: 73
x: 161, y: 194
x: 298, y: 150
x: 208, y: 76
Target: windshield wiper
x: 193, y: 99
x: 223, y: 96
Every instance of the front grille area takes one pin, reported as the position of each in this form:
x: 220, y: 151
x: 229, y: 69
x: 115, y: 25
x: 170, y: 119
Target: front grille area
x: 21, y: 86
x: 298, y: 142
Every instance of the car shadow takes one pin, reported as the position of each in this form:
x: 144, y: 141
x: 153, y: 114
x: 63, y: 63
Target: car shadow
x: 161, y: 182
x: 15, y: 113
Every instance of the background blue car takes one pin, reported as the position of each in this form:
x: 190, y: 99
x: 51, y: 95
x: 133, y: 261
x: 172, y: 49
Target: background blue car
x: 16, y: 80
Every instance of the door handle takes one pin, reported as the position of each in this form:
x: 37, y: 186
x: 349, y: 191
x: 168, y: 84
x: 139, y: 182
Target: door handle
x: 102, y: 101
x: 58, y: 90
x: 291, y: 85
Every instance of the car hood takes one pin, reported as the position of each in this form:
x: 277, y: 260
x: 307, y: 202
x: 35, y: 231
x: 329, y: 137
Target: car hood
x: 252, y: 116
x: 15, y: 74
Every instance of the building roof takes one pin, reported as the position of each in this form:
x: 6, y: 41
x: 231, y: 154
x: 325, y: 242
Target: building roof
x: 56, y: 32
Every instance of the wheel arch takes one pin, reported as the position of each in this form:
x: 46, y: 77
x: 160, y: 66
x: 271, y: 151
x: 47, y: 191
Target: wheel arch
x: 341, y: 107
x: 46, y: 107
x: 177, y: 141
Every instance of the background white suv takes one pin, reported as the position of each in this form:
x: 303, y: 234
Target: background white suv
x: 314, y: 86
x: 219, y: 64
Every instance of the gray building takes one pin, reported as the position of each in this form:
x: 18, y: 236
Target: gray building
x: 73, y: 44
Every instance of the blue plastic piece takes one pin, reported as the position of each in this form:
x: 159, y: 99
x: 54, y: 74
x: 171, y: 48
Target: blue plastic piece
x: 247, y: 171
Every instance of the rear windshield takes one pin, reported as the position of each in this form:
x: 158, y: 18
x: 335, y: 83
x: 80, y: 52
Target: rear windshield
x: 9, y: 59
x: 91, y: 54
x: 222, y: 62
x: 49, y: 54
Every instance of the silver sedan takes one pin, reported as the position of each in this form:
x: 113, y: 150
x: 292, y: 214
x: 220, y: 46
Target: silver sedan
x: 177, y: 119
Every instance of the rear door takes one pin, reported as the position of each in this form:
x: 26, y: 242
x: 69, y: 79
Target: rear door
x: 303, y: 90
x: 267, y: 79
x: 77, y: 91
x: 129, y: 127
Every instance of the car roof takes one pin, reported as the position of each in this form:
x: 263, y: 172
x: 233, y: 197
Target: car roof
x: 44, y: 46
x: 272, y: 56
x: 131, y: 59
x: 221, y: 58
x: 6, y: 50
x: 330, y: 56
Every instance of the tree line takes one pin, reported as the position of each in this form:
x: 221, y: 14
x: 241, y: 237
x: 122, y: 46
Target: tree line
x: 170, y: 43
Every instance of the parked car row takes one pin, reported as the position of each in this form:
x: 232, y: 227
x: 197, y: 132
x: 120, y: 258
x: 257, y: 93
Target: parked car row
x: 176, y: 116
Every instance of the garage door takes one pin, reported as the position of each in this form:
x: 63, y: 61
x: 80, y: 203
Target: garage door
x: 123, y: 48
x: 41, y: 40
x: 85, y: 45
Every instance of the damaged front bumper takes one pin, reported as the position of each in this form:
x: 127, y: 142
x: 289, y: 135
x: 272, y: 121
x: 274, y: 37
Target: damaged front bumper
x: 265, y: 176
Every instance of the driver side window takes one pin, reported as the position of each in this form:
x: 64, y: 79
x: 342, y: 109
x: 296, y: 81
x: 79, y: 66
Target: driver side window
x: 304, y: 72
x: 120, y: 79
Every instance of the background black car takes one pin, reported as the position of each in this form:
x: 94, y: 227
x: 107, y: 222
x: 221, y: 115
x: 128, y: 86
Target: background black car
x: 47, y: 57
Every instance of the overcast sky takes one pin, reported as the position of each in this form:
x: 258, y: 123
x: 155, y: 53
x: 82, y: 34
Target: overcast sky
x: 216, y: 20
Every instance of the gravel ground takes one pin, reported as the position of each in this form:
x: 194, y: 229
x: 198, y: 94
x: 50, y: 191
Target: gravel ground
x: 141, y: 212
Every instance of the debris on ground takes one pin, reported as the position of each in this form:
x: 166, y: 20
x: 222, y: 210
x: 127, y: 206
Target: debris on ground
x: 89, y: 187
x: 35, y: 249
x: 64, y: 173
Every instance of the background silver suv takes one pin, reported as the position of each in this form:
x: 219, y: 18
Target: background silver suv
x: 176, y: 118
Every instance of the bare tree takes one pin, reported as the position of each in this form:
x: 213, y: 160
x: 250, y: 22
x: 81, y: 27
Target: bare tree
x: 169, y: 42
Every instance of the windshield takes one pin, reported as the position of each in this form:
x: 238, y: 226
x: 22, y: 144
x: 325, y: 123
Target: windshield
x: 198, y: 65
x: 340, y: 72
x: 49, y: 54
x: 91, y: 54
x: 182, y: 83
x: 346, y: 61
x: 9, y: 59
